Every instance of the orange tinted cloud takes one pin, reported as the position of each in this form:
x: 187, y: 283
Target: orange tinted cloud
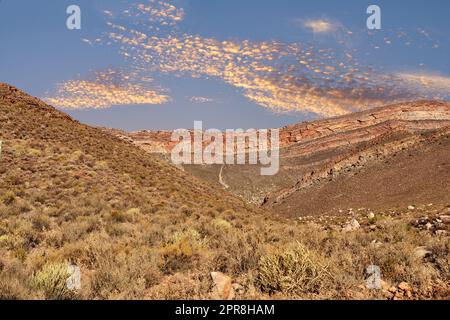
x: 282, y: 77
x: 107, y: 88
x: 320, y: 25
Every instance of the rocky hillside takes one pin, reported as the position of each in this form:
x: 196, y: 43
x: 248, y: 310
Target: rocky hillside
x: 395, y: 170
x: 366, y: 125
x: 320, y: 135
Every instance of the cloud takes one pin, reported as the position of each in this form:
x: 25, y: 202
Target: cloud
x: 439, y: 84
x: 280, y: 76
x: 320, y: 26
x: 324, y: 26
x: 160, y: 12
x: 107, y: 88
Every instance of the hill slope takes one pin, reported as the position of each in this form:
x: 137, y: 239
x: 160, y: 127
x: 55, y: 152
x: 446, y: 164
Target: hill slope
x: 395, y: 170
x: 69, y: 192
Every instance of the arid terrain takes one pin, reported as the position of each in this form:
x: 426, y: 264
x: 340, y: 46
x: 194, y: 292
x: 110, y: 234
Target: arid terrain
x: 333, y: 164
x: 370, y: 188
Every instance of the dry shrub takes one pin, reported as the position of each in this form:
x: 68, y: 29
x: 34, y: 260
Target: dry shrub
x: 13, y: 279
x: 182, y: 251
x: 8, y: 198
x: 180, y: 286
x: 236, y: 252
x: 52, y: 281
x: 293, y: 271
x: 441, y: 255
x: 221, y: 223
x: 121, y: 217
x: 41, y: 222
x: 398, y: 263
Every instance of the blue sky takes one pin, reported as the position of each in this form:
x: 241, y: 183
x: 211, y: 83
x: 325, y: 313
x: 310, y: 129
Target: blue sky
x: 273, y: 64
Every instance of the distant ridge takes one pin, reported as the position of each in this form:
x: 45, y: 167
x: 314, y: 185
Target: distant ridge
x: 317, y: 151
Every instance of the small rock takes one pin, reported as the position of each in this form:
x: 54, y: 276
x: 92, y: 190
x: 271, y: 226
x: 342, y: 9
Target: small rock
x: 385, y: 286
x: 370, y: 216
x: 351, y: 226
x: 373, y: 227
x: 411, y: 207
x: 392, y: 289
x: 445, y: 218
x: 222, y: 289
x: 404, y: 286
x: 376, y: 244
x: 398, y: 295
x: 428, y: 226
x: 421, y: 252
x: 358, y: 296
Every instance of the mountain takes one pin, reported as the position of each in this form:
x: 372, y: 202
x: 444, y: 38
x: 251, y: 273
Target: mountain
x: 73, y: 196
x: 401, y: 149
x: 392, y: 171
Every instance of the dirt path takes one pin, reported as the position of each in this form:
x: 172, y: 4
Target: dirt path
x: 221, y: 181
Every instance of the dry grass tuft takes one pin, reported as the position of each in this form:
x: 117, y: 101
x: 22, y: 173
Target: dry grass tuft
x: 293, y: 271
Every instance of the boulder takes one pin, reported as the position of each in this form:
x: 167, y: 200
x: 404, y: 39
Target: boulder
x: 351, y: 226
x: 222, y: 289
